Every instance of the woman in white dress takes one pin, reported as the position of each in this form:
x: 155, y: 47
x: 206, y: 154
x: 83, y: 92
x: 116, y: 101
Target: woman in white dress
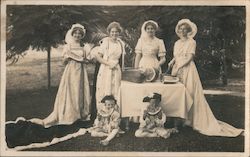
x: 149, y: 48
x: 200, y: 117
x: 109, y: 74
x: 73, y: 97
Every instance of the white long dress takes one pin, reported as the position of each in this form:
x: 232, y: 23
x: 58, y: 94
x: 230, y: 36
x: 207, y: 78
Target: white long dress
x: 200, y: 116
x: 109, y: 80
x: 150, y: 50
x: 73, y: 96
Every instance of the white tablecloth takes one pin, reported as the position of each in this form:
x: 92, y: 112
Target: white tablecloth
x: 176, y: 100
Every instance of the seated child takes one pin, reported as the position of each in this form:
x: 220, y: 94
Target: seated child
x: 107, y: 121
x: 152, y: 119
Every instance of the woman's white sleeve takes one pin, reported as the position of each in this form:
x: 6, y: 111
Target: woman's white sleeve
x: 138, y: 47
x: 192, y: 47
x: 65, y: 50
x: 162, y: 49
x: 175, y: 48
x: 87, y: 49
x: 99, y: 50
x: 103, y: 46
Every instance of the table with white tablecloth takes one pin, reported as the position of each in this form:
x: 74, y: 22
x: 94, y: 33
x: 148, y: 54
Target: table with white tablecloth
x: 176, y: 100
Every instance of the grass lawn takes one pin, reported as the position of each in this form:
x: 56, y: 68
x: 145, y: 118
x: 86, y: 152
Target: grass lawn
x: 39, y: 104
x: 28, y: 97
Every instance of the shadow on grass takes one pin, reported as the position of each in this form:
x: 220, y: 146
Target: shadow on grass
x: 185, y: 141
x: 39, y: 104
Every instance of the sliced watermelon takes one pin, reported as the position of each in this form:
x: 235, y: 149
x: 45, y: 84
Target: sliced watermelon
x: 151, y: 74
x: 155, y: 112
x: 105, y: 114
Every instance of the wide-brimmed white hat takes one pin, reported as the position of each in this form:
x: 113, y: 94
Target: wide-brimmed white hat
x: 68, y: 37
x: 143, y: 32
x: 191, y: 24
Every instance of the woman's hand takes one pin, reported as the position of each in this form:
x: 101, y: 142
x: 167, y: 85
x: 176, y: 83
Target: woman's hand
x: 161, y: 62
x: 137, y: 60
x: 175, y: 70
x: 85, y: 61
x: 174, y: 73
x: 171, y: 63
x: 112, y: 64
x: 66, y: 60
x: 92, y: 61
x: 158, y: 65
x: 188, y: 58
x: 99, y: 57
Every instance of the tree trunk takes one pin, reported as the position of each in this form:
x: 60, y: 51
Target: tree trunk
x: 49, y: 67
x: 225, y: 76
x: 223, y: 68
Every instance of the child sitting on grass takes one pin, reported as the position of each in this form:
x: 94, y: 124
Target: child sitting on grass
x: 152, y: 119
x: 107, y: 121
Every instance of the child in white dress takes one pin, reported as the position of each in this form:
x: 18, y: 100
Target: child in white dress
x: 152, y: 119
x: 107, y: 121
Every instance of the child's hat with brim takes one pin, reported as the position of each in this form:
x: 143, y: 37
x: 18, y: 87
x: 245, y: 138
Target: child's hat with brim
x: 108, y: 97
x: 152, y: 96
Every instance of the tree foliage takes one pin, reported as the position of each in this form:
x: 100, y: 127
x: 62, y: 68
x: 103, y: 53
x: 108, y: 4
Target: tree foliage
x: 43, y: 27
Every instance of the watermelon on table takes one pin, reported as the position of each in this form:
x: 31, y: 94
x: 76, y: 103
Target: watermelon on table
x: 169, y: 79
x: 133, y: 75
x: 151, y: 74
